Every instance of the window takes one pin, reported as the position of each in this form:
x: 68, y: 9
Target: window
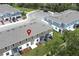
x: 42, y: 38
x: 18, y: 17
x: 45, y: 10
x: 20, y: 42
x: 27, y: 44
x: 14, y: 19
x: 5, y: 48
x: 7, y: 53
x: 20, y: 47
x: 6, y: 19
x: 55, y: 27
x: 13, y: 45
x: 26, y: 39
x: 37, y: 40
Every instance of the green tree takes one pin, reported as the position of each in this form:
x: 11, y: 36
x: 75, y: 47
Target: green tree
x: 72, y: 43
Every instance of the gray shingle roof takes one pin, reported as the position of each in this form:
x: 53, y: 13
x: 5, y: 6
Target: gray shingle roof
x: 65, y: 17
x: 38, y: 14
x: 19, y: 31
x: 6, y: 9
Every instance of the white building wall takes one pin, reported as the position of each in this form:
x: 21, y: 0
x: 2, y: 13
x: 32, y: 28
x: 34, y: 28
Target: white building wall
x: 24, y: 46
x: 51, y: 33
x: 55, y: 28
x: 29, y: 44
x: 6, y: 18
x: 35, y: 42
x: 6, y: 22
x: 10, y: 53
x: 70, y: 28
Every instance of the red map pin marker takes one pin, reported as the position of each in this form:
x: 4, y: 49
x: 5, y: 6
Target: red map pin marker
x: 29, y: 32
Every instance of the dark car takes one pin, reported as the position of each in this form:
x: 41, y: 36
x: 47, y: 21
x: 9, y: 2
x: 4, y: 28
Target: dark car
x: 45, y: 10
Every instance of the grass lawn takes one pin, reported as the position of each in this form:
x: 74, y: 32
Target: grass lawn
x: 26, y: 10
x: 47, y: 46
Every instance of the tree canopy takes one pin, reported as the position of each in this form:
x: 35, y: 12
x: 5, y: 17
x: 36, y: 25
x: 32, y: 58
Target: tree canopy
x: 55, y: 7
x: 72, y: 43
